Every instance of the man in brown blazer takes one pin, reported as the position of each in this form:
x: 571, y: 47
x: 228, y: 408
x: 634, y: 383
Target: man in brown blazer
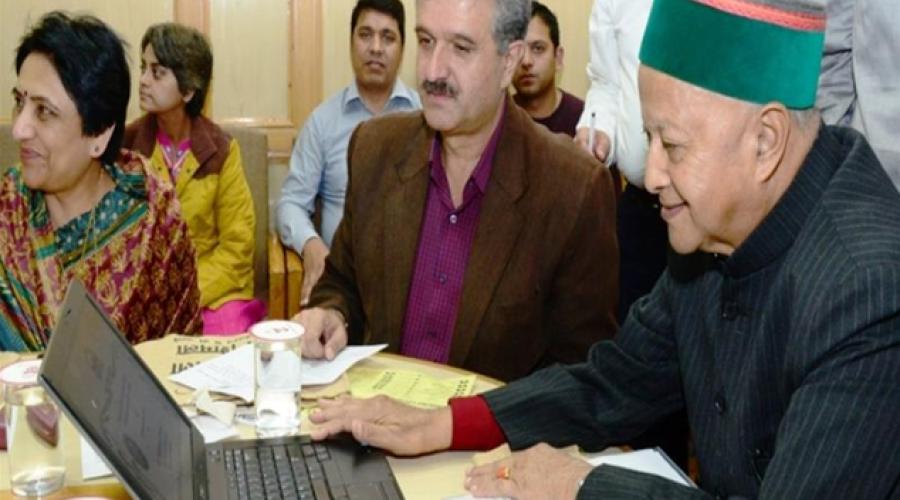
x: 471, y: 235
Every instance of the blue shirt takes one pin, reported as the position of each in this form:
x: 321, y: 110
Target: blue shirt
x: 319, y: 163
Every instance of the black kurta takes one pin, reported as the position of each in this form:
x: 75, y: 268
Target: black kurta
x: 786, y: 354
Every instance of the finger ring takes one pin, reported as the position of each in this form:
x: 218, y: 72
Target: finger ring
x: 503, y: 472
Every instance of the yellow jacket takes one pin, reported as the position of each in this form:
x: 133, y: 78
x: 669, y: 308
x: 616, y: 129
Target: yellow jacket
x: 215, y: 202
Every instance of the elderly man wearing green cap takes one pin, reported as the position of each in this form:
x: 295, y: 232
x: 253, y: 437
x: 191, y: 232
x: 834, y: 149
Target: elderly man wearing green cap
x: 777, y: 325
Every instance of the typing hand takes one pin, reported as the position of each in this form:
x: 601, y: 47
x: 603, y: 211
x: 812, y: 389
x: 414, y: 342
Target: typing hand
x: 538, y: 472
x: 385, y: 423
x: 601, y: 143
x: 314, y: 254
x: 325, y: 332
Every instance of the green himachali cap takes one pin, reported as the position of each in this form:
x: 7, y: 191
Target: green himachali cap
x: 759, y: 51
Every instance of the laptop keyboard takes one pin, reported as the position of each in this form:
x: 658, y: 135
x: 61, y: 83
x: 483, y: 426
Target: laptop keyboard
x: 302, y: 471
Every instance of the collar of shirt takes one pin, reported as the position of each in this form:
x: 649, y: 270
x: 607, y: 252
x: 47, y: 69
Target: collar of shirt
x: 777, y: 232
x: 482, y: 171
x: 400, y: 92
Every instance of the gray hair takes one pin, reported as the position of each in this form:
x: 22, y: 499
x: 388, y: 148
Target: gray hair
x: 511, y: 18
x: 802, y: 118
x: 805, y: 117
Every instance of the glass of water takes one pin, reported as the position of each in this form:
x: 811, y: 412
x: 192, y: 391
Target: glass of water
x: 36, y: 460
x: 277, y: 366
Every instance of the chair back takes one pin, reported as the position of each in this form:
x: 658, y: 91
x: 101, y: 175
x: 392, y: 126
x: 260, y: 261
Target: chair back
x: 254, y: 155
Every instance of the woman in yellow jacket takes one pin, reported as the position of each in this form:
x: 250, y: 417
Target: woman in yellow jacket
x: 204, y: 164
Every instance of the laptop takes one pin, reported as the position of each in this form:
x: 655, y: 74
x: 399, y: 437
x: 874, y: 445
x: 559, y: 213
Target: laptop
x: 146, y: 439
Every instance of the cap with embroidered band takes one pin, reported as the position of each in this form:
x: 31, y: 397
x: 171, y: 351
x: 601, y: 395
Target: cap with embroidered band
x: 752, y: 50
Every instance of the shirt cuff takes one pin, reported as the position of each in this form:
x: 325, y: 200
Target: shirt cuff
x: 474, y: 426
x: 295, y: 234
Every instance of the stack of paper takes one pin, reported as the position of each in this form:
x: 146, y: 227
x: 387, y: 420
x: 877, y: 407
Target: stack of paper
x: 232, y: 373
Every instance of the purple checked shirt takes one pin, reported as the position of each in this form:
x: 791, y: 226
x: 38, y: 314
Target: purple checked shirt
x: 445, y: 242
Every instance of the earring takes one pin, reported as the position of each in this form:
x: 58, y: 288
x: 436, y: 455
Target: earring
x: 96, y: 150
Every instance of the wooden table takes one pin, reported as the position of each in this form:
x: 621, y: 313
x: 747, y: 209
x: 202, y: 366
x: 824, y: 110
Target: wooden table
x: 434, y: 476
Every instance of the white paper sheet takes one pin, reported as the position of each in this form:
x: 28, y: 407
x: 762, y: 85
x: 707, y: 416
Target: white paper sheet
x: 223, y: 411
x: 212, y: 429
x: 319, y: 371
x: 91, y: 464
x: 649, y: 460
x: 232, y: 373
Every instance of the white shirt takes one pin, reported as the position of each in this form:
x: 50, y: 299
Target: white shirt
x: 616, y: 30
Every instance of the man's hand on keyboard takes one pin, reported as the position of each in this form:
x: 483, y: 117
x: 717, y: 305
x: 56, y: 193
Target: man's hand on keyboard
x: 385, y: 423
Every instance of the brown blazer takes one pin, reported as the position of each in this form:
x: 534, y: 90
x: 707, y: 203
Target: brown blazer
x: 542, y: 278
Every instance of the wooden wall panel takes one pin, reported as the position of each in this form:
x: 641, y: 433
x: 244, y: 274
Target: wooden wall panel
x: 16, y: 16
x: 306, y: 55
x: 268, y: 65
x: 251, y: 43
x: 194, y: 13
x: 573, y: 16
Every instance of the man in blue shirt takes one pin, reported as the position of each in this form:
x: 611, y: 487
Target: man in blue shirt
x: 318, y: 164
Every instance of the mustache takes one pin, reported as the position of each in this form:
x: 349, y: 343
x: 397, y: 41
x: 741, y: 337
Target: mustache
x: 439, y: 88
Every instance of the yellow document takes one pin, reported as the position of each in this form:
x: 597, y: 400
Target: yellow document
x: 410, y: 387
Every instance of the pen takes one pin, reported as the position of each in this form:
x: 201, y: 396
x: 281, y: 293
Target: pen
x: 592, y: 132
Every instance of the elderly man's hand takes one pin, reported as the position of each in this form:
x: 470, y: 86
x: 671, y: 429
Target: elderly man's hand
x: 325, y: 332
x: 385, y: 423
x: 538, y: 472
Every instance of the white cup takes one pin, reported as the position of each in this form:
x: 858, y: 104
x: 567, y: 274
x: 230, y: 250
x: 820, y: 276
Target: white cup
x: 277, y: 370
x: 36, y: 460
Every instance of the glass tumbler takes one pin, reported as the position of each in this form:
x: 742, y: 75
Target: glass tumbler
x: 36, y: 460
x: 277, y: 368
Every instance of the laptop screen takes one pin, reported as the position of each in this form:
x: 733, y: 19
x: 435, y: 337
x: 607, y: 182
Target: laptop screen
x: 118, y: 402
